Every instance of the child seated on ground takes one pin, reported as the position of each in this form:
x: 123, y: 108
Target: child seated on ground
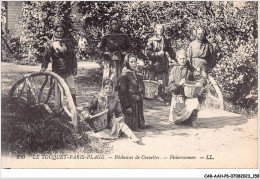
x: 184, y: 109
x: 108, y: 100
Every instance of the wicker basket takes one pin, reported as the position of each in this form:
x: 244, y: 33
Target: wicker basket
x: 98, y: 121
x: 151, y: 89
x: 191, y: 90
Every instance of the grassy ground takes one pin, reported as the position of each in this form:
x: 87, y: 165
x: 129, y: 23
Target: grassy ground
x: 31, y: 131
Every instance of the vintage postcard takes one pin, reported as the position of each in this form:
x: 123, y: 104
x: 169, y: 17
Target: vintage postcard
x: 129, y: 85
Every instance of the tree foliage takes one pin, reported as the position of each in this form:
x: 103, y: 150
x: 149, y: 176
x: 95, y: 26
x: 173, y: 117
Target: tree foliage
x: 37, y: 22
x: 232, y: 29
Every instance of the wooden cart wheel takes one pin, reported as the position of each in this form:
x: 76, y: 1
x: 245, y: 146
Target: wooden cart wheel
x: 47, y: 89
x: 213, y: 94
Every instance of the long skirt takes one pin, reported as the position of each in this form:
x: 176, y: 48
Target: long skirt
x: 135, y: 120
x: 112, y: 71
x: 69, y: 79
x: 182, y: 108
x: 112, y: 132
x: 200, y: 63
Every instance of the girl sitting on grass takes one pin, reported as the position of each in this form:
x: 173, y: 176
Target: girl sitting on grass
x: 108, y: 100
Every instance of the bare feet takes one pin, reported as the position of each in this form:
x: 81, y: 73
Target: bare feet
x: 139, y: 142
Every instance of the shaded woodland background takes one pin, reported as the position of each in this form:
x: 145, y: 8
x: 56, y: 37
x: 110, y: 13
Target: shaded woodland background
x: 232, y: 28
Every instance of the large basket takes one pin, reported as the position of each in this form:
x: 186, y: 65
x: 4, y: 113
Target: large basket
x: 191, y: 90
x: 151, y: 89
x: 98, y: 121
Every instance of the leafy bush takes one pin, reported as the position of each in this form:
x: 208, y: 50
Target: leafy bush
x: 232, y: 29
x: 32, y: 130
x: 36, y: 25
x: 237, y: 76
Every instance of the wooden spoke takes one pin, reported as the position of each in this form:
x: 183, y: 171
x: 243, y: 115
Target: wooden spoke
x: 57, y: 96
x: 32, y: 92
x: 29, y: 97
x: 15, y: 87
x: 21, y: 92
x: 49, y: 93
x: 34, y: 88
x: 42, y: 87
x: 61, y: 94
x: 65, y: 109
x: 51, y: 81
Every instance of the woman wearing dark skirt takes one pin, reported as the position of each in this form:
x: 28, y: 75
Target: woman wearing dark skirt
x: 114, y: 46
x: 131, y: 92
x: 159, y: 52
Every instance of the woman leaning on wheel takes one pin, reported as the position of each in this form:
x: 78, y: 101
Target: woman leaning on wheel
x: 64, y: 62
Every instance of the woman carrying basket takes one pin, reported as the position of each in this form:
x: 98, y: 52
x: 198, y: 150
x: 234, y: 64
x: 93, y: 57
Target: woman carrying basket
x: 184, y: 108
x: 159, y: 52
x: 115, y: 118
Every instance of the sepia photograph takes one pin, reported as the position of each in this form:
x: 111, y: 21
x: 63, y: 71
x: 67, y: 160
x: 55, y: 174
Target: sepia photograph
x: 129, y: 85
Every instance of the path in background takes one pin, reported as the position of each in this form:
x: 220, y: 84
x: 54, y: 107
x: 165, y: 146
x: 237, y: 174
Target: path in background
x: 11, y: 71
x: 6, y: 66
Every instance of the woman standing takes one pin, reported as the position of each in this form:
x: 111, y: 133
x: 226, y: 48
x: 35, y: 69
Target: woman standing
x: 114, y: 46
x: 200, y: 52
x: 60, y: 50
x: 158, y: 51
x: 131, y: 92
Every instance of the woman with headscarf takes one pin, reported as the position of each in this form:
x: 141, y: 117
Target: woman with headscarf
x: 201, y: 53
x: 108, y: 100
x: 131, y: 92
x: 159, y: 52
x: 184, y: 109
x: 64, y: 63
x: 114, y: 46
